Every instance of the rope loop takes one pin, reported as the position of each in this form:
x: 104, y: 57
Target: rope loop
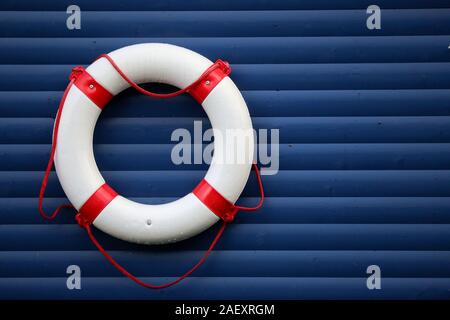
x: 85, y: 224
x: 219, y: 64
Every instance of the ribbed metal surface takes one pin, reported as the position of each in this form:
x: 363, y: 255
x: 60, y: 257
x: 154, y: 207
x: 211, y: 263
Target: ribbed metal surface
x: 364, y: 119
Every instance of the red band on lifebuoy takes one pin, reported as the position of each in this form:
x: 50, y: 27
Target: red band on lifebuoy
x: 200, y: 90
x: 215, y: 202
x: 91, y: 88
x: 95, y: 204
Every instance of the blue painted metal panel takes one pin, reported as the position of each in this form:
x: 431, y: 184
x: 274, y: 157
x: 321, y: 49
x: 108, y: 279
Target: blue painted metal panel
x: 364, y: 119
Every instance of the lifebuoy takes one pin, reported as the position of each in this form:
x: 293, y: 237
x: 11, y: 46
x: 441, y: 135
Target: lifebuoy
x: 84, y: 185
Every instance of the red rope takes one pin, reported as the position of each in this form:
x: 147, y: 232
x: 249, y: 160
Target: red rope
x: 73, y: 76
x: 261, y: 192
x: 149, y: 285
x: 52, y: 157
x: 162, y: 95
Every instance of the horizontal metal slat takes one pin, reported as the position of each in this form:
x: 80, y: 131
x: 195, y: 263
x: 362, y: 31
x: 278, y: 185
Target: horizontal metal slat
x: 276, y: 23
x: 236, y: 288
x: 341, y: 156
x: 284, y: 263
x: 416, y: 237
x: 287, y: 183
x: 347, y: 76
x: 202, y: 5
x: 291, y: 129
x: 261, y: 103
x: 237, y: 50
x: 311, y: 210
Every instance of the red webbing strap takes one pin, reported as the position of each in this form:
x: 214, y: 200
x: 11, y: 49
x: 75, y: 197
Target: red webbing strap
x: 199, y: 89
x: 98, y: 201
x: 95, y: 204
x: 91, y: 88
x: 219, y: 205
x: 215, y: 202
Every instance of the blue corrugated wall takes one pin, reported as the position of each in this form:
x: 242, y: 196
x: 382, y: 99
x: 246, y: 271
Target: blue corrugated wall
x: 364, y: 119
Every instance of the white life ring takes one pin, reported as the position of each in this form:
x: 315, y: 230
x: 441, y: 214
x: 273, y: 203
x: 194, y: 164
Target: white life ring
x: 74, y: 158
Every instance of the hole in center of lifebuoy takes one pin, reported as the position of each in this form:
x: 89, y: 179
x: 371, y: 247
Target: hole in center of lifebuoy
x: 137, y: 145
x: 148, y: 222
